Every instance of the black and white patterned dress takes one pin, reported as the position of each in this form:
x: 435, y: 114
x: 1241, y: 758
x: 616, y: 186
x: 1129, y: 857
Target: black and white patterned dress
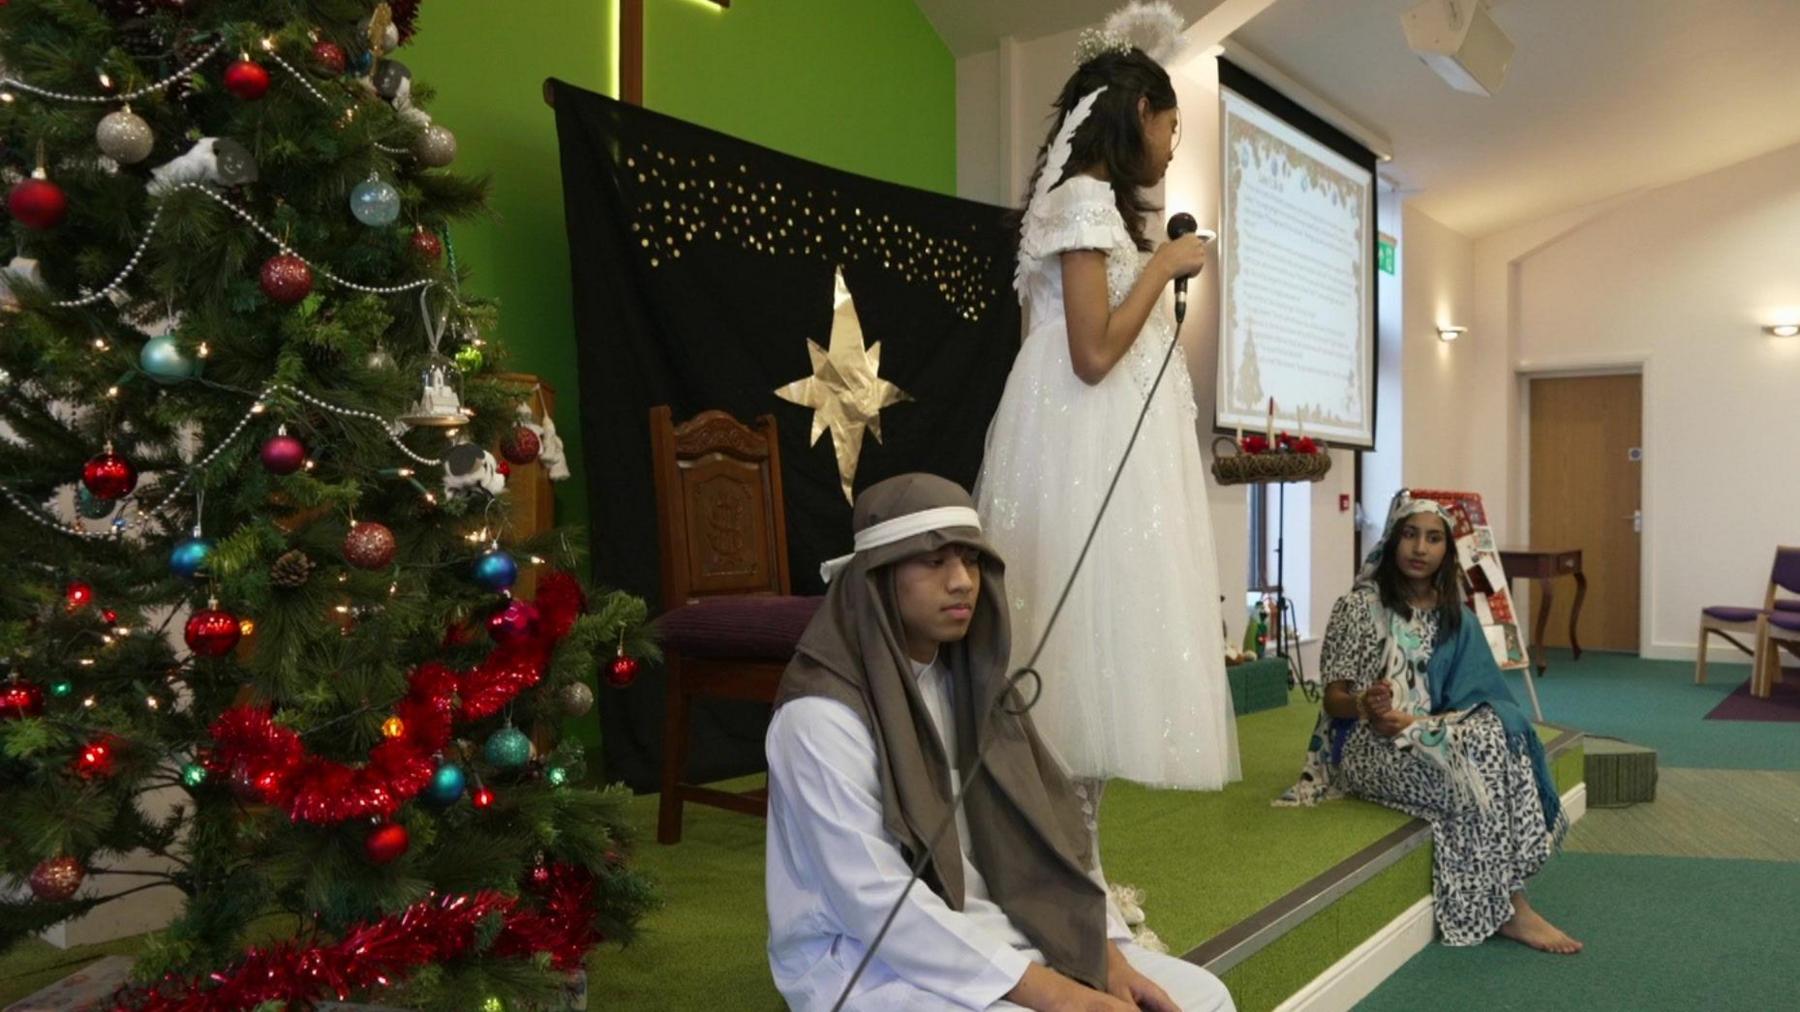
x: 1482, y: 853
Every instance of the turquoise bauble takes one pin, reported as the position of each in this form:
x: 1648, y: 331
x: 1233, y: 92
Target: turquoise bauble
x: 496, y: 570
x: 375, y: 202
x: 164, y: 360
x: 190, y: 556
x: 508, y: 749
x: 90, y: 505
x: 446, y: 787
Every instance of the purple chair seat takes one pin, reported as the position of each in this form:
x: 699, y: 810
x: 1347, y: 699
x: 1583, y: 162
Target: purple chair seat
x: 762, y: 627
x: 1726, y: 613
x: 1789, y: 620
x: 1788, y: 604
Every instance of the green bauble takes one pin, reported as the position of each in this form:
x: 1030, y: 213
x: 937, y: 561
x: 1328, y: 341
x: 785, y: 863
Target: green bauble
x: 468, y: 358
x: 508, y: 749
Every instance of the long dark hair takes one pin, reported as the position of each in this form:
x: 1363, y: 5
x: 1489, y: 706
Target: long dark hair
x: 1392, y: 584
x: 1113, y: 135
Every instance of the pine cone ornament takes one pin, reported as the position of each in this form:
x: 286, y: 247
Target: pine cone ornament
x: 291, y: 570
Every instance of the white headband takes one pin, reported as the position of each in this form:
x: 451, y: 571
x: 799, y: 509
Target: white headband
x: 899, y: 529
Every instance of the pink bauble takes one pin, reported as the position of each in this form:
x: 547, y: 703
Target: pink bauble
x: 283, y: 454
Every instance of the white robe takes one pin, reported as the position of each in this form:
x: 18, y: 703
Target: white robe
x: 833, y: 871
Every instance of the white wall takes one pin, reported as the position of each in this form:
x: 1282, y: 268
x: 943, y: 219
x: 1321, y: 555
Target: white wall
x: 1441, y: 381
x: 1682, y: 278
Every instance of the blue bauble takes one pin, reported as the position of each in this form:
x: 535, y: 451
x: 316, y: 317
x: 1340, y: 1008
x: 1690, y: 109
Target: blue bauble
x: 361, y: 63
x: 190, y: 556
x: 508, y: 749
x: 446, y: 787
x: 90, y: 505
x: 164, y: 360
x: 375, y: 202
x: 496, y: 570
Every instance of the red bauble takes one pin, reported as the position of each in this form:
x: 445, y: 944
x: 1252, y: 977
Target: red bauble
x: 482, y: 798
x: 426, y: 245
x: 283, y: 454
x: 37, y: 203
x: 515, y: 622
x: 369, y: 546
x: 521, y: 445
x: 622, y: 671
x: 20, y: 699
x: 78, y: 595
x: 212, y: 633
x: 386, y: 843
x: 57, y: 879
x: 110, y: 617
x: 246, y: 79
x: 109, y: 476
x: 329, y: 57
x: 286, y: 279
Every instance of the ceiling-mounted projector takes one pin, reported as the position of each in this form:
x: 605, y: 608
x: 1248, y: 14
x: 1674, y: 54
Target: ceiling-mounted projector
x: 1460, y: 41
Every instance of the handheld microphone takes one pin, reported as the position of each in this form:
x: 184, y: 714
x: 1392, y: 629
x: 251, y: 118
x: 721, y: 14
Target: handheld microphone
x: 1180, y: 224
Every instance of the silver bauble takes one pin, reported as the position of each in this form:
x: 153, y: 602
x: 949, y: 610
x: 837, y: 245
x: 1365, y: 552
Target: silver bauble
x: 124, y: 137
x: 576, y: 698
x: 435, y: 147
x: 379, y: 360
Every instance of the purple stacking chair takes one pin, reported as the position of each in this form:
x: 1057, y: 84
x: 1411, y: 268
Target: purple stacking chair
x: 1771, y: 627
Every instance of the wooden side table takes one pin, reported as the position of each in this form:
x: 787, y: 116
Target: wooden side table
x: 1545, y: 567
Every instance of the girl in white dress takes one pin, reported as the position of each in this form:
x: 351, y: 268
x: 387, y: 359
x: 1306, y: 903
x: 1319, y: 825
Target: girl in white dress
x: 1133, y: 676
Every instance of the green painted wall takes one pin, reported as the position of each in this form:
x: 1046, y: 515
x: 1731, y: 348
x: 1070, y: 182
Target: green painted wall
x: 488, y: 63
x: 861, y: 85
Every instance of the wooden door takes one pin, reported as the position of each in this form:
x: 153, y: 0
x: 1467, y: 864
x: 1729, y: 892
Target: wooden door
x: 1586, y: 488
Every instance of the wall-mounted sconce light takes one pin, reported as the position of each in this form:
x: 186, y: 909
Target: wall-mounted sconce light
x: 1451, y: 333
x: 1782, y: 329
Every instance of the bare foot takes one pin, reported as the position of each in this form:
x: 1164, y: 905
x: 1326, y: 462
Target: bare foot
x: 1528, y: 927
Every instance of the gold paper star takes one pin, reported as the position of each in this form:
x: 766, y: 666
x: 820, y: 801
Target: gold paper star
x: 845, y: 391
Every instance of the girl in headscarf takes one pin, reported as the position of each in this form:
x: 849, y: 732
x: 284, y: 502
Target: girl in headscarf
x: 1417, y: 717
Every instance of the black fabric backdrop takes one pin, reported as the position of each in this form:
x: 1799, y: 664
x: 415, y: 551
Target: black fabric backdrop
x: 702, y: 265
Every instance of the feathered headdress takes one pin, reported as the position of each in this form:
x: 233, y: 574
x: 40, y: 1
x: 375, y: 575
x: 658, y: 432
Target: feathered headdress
x: 1153, y: 27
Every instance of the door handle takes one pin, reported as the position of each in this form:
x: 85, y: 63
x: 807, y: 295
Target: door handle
x: 1637, y: 521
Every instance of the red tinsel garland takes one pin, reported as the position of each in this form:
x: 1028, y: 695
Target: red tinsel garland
x: 434, y: 930
x: 270, y: 762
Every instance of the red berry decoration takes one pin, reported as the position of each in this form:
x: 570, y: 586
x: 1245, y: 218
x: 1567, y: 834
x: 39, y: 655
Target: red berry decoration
x: 369, y: 545
x: 521, y: 445
x: 247, y: 79
x: 286, y: 279
x: 502, y: 468
x: 110, y: 617
x: 211, y: 632
x: 20, y: 699
x: 482, y: 798
x: 283, y: 454
x: 622, y: 671
x: 109, y: 476
x: 78, y: 595
x: 56, y: 879
x: 37, y: 203
x: 329, y: 57
x: 386, y: 843
x: 516, y: 622
x: 426, y: 245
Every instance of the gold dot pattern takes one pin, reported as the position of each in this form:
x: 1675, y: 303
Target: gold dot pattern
x: 683, y: 201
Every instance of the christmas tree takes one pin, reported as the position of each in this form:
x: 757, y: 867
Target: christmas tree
x: 1249, y: 379
x: 259, y: 558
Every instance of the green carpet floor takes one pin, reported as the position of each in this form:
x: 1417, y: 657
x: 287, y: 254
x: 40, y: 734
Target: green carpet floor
x: 1660, y: 933
x: 1657, y: 704
x: 1691, y: 901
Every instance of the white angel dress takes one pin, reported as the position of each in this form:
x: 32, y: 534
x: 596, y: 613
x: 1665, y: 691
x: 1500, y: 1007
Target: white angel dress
x: 1134, y: 676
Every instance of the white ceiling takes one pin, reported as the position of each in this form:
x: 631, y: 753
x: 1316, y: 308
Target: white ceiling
x: 1602, y: 97
x: 975, y: 26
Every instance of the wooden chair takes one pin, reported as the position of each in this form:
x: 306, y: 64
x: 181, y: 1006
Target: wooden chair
x: 730, y: 620
x: 1774, y: 625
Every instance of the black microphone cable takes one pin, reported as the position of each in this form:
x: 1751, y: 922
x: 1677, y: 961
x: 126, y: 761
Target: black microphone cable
x: 1177, y: 227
